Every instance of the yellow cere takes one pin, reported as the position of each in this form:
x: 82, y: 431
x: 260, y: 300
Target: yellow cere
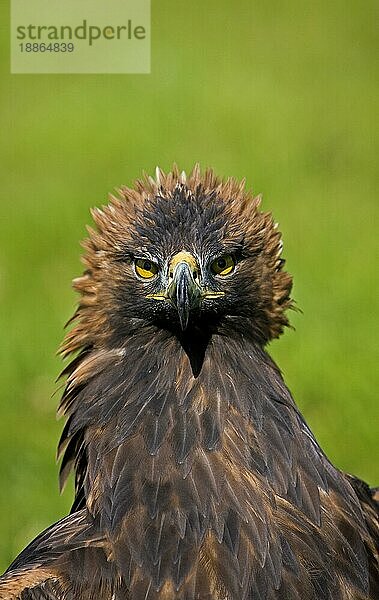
x: 223, y: 265
x: 186, y: 257
x: 146, y: 268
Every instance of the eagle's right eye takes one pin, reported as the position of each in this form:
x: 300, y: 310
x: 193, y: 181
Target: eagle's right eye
x: 145, y: 268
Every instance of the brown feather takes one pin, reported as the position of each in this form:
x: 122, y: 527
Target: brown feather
x: 196, y: 475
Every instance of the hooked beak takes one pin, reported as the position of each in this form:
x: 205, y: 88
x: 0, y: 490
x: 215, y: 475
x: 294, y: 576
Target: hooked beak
x: 183, y: 291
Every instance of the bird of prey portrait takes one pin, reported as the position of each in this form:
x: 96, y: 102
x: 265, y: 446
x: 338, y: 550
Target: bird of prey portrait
x: 196, y: 476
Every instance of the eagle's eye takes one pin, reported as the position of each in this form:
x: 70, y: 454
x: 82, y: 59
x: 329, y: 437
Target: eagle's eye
x: 146, y: 268
x: 223, y: 265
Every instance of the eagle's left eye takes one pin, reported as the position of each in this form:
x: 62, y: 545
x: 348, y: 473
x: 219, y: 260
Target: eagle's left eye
x: 223, y: 265
x: 146, y: 268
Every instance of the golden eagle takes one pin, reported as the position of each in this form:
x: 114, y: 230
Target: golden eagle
x: 196, y: 475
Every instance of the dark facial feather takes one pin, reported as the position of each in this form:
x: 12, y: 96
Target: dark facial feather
x: 158, y: 218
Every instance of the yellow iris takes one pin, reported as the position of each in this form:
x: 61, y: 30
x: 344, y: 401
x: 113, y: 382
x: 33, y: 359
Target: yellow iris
x: 223, y: 265
x: 145, y: 268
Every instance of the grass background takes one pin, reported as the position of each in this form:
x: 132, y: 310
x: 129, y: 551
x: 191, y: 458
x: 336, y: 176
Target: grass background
x: 284, y: 93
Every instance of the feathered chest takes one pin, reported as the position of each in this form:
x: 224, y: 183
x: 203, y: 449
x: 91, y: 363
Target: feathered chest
x: 195, y: 477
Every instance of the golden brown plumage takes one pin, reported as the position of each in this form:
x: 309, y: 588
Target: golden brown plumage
x: 196, y: 476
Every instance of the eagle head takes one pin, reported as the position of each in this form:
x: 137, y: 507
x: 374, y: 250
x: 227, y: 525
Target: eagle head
x: 183, y: 254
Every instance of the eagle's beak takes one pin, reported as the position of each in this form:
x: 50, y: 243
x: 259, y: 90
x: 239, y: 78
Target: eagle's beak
x: 183, y: 290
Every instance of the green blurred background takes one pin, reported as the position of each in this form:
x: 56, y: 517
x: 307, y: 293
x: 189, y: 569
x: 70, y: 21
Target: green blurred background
x: 283, y: 93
